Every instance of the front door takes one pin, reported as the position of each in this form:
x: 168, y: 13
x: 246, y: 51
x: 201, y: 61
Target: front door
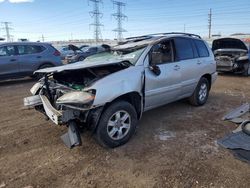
x: 165, y: 87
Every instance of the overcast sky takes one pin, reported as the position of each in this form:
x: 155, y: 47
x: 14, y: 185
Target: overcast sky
x: 63, y: 20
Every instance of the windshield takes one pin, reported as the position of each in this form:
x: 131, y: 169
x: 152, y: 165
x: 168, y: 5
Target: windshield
x: 120, y: 55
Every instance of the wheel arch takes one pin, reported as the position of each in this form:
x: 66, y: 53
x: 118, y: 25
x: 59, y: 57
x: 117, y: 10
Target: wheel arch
x: 134, y: 98
x: 209, y: 78
x: 45, y: 63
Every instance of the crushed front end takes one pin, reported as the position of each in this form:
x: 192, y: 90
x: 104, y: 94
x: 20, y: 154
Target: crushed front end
x: 65, y: 97
x: 62, y: 104
x: 231, y: 55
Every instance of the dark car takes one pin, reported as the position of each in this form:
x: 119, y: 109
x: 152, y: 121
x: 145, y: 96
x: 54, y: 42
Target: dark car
x: 231, y: 55
x: 20, y: 59
x: 80, y: 55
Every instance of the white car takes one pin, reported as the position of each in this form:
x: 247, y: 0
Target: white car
x: 109, y: 92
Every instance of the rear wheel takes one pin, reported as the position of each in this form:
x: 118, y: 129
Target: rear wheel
x: 201, y: 93
x: 246, y: 69
x: 117, y: 124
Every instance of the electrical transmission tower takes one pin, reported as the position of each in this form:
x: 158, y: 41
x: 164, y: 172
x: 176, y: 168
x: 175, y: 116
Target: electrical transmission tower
x: 119, y: 16
x: 209, y: 23
x: 96, y: 14
x: 7, y: 30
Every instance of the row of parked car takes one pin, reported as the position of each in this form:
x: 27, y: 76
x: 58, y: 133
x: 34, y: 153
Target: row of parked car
x: 21, y: 59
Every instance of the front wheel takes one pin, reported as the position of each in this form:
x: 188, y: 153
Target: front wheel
x: 117, y: 124
x: 201, y: 93
x: 81, y: 58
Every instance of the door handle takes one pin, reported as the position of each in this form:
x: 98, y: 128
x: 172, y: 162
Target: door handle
x: 176, y: 67
x: 38, y: 56
x: 199, y: 62
x: 13, y: 60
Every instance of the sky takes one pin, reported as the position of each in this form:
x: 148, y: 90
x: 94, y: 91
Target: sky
x: 70, y: 19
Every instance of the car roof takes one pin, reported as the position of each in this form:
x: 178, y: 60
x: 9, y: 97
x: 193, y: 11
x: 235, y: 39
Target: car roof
x: 24, y: 43
x: 140, y: 41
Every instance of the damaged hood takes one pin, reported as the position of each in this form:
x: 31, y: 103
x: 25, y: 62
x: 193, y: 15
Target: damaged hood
x: 229, y: 43
x: 80, y: 65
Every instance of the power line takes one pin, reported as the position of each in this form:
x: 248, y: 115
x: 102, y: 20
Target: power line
x: 119, y: 16
x: 96, y: 14
x: 209, y: 23
x: 7, y: 30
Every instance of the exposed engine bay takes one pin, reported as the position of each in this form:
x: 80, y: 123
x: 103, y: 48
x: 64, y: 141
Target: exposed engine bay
x: 231, y: 55
x: 79, y: 79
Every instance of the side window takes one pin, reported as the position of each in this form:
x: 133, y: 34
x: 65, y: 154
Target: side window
x: 92, y: 50
x: 202, y: 48
x: 184, y: 48
x: 29, y: 49
x: 21, y: 50
x: 162, y: 53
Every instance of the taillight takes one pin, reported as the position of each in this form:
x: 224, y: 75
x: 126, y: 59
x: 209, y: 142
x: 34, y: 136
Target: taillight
x: 57, y: 53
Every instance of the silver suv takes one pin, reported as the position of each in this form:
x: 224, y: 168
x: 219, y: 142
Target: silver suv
x: 108, y: 92
x: 20, y: 59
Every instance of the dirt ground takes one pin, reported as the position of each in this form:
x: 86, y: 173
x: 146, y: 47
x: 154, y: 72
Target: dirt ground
x: 175, y: 146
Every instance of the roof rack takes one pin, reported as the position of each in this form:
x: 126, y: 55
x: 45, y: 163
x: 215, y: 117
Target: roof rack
x: 143, y: 37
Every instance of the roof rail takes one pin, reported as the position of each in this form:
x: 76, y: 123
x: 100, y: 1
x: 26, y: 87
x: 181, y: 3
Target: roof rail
x: 172, y: 33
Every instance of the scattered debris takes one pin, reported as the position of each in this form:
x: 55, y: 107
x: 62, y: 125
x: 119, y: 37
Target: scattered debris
x: 2, y: 185
x: 237, y: 112
x: 164, y: 135
x: 239, y: 140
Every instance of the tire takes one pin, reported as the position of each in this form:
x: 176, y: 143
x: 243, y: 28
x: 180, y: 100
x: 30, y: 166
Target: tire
x: 246, y: 69
x: 112, y: 131
x: 201, y: 93
x: 81, y: 58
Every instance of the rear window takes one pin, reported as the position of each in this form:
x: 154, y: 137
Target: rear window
x: 184, y: 48
x: 29, y: 49
x: 201, y: 48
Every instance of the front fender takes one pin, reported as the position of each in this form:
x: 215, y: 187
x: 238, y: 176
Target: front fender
x: 118, y: 84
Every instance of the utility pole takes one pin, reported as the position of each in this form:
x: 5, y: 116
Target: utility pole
x: 43, y: 38
x: 7, y: 30
x: 209, y: 23
x: 119, y: 16
x: 96, y: 14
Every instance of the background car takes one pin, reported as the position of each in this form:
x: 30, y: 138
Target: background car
x: 21, y: 59
x: 83, y: 46
x: 232, y: 55
x: 68, y: 50
x: 87, y: 51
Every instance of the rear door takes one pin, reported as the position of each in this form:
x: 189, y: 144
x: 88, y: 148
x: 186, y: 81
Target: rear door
x: 190, y: 64
x: 8, y: 61
x: 29, y: 58
x: 165, y: 87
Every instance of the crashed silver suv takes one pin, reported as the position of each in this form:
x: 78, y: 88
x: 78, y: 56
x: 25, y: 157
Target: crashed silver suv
x: 108, y: 92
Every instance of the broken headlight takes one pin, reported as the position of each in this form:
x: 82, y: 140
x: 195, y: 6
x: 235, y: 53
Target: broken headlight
x: 76, y: 98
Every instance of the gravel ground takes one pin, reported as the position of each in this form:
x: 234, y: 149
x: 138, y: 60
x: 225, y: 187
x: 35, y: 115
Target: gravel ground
x: 175, y: 146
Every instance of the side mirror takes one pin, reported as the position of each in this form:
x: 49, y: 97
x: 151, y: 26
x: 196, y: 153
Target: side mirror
x: 155, y: 69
